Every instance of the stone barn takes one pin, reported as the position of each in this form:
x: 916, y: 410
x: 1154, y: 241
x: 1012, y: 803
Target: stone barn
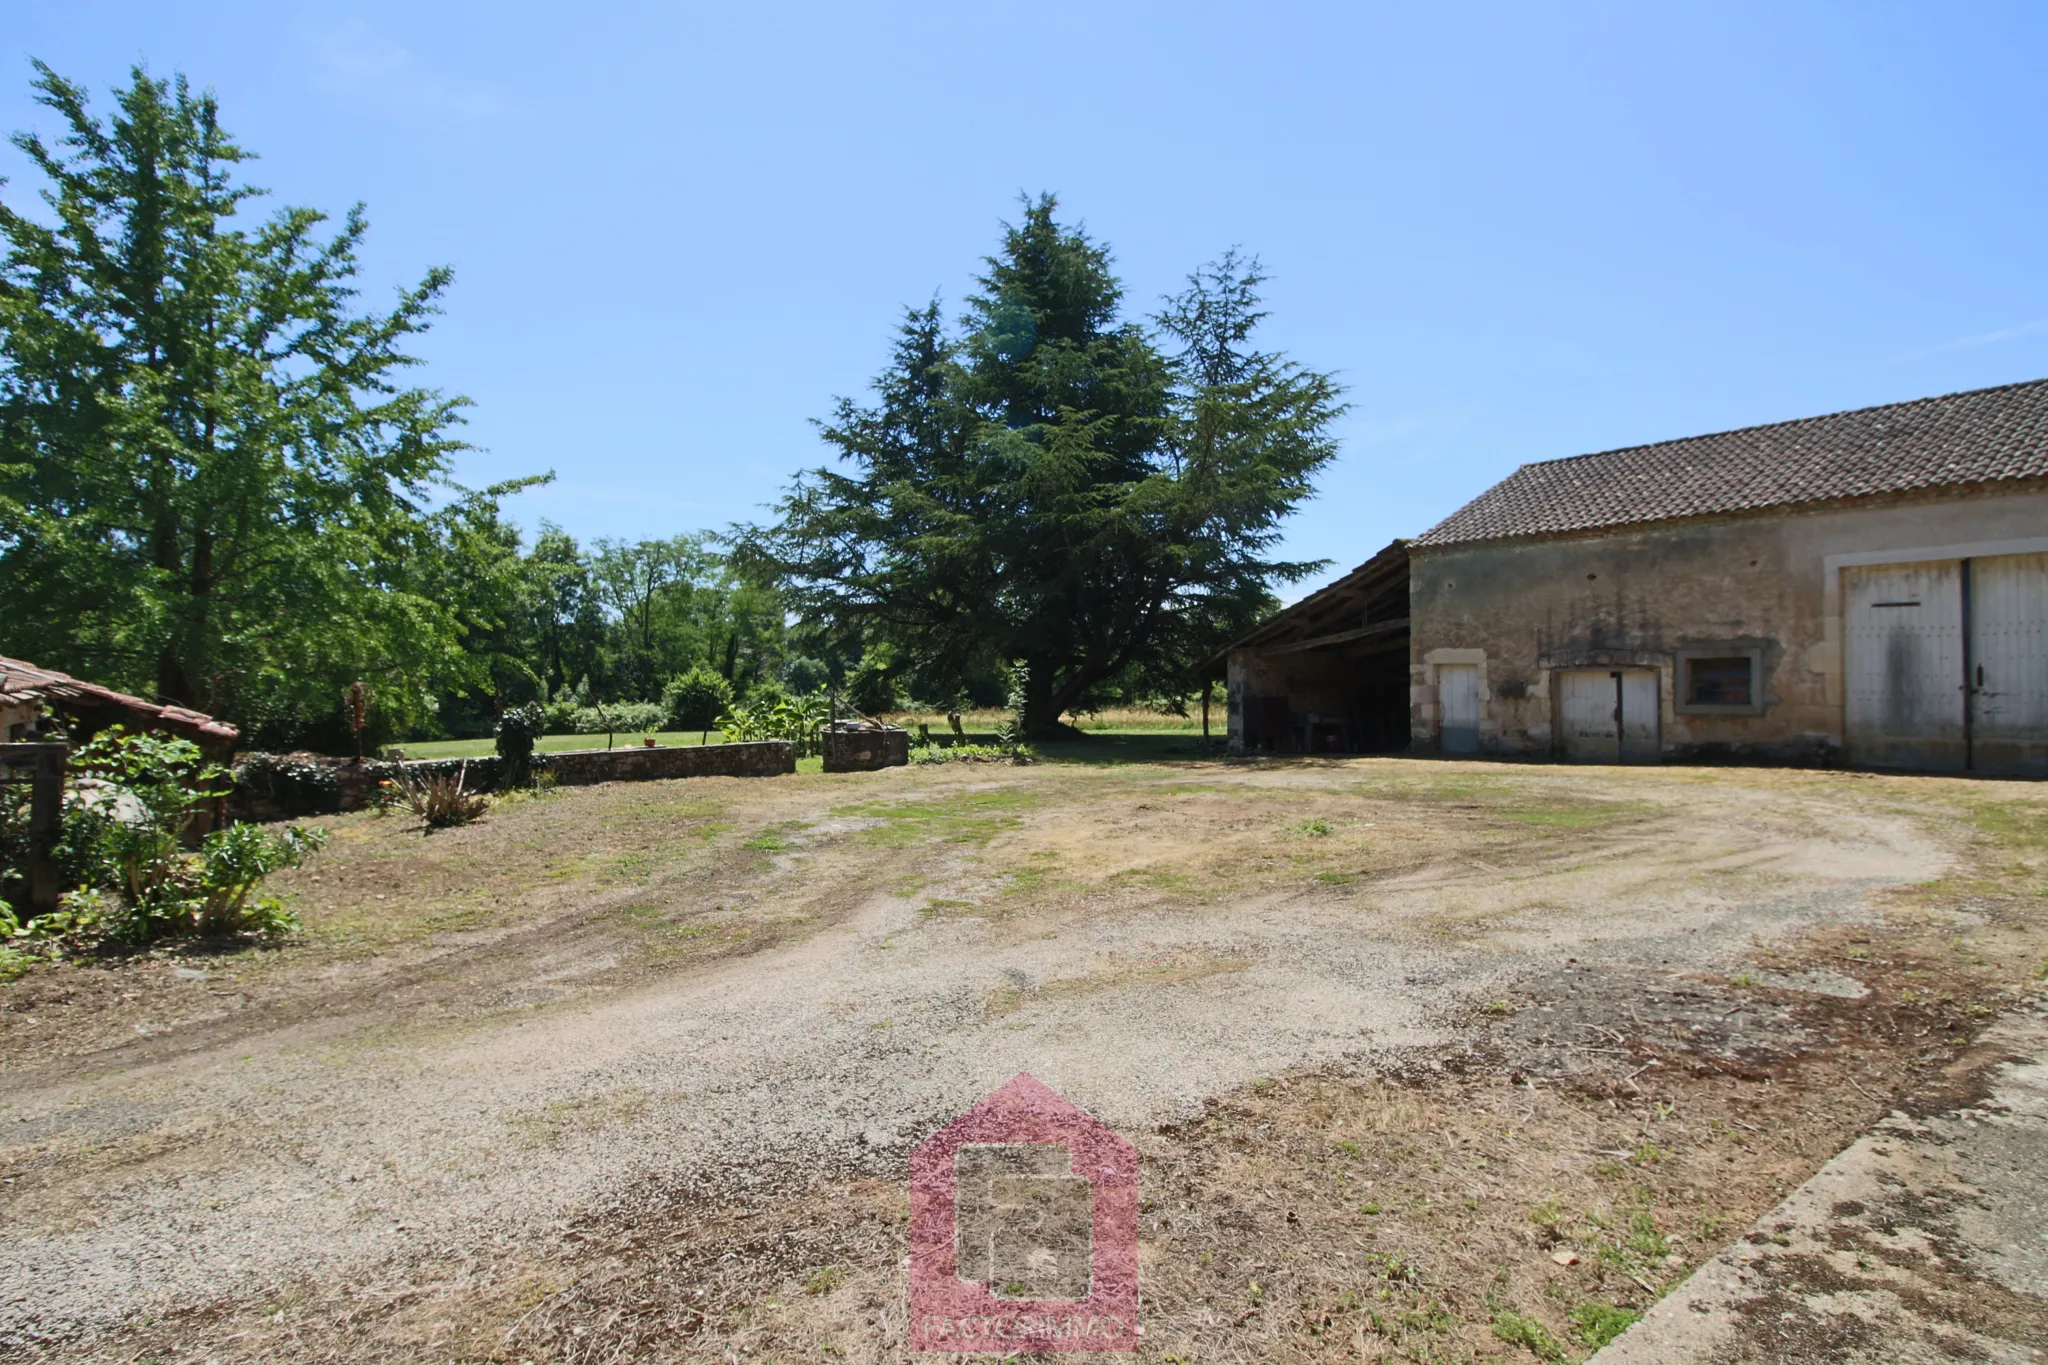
x: 1869, y: 587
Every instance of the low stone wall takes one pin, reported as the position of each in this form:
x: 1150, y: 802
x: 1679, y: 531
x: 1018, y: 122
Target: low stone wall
x: 859, y: 749
x: 580, y: 767
x: 287, y: 786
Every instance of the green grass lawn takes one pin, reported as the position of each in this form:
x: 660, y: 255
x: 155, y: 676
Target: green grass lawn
x: 1121, y: 743
x: 548, y: 744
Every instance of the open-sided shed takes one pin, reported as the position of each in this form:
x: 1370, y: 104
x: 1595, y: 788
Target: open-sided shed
x: 1328, y: 674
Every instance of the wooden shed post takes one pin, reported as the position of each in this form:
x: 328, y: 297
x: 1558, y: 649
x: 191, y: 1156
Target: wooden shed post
x: 45, y: 814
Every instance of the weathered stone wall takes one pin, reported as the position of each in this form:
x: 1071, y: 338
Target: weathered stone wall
x: 283, y: 787
x: 581, y: 767
x: 865, y: 749
x: 1639, y: 596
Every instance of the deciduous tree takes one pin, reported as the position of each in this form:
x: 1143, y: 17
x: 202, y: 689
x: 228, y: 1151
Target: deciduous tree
x: 216, y: 481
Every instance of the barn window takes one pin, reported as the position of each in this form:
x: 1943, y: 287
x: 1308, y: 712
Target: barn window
x: 1724, y: 681
x: 1719, y: 682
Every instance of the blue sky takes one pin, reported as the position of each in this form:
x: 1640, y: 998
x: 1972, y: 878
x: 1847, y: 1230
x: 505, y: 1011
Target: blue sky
x: 1516, y: 232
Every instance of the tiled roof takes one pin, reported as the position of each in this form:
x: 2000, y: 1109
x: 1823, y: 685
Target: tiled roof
x: 21, y: 681
x: 1986, y: 436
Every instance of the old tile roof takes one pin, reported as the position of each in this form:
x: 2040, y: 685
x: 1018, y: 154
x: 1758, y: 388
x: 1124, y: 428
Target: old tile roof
x: 1986, y: 436
x: 21, y: 681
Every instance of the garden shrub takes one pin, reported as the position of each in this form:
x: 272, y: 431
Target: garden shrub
x: 292, y: 784
x: 440, y: 800
x: 622, y: 717
x: 696, y: 699
x: 969, y: 753
x: 518, y: 728
x: 803, y: 676
x: 120, y: 849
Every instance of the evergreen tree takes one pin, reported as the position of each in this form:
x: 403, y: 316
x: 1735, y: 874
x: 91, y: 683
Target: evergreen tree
x: 1051, y: 487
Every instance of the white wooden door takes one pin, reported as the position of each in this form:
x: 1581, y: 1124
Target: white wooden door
x: 1904, y: 627
x: 1609, y: 715
x: 1457, y: 692
x: 1640, y: 715
x: 2009, y: 663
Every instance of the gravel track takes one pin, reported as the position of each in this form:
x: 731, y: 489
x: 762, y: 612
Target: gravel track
x: 311, y: 1148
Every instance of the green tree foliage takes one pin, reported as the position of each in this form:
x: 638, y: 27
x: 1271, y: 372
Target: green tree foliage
x: 694, y: 700
x: 214, y: 477
x: 1056, y: 484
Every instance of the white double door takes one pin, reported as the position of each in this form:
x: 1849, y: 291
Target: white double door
x: 1609, y: 715
x: 1947, y: 664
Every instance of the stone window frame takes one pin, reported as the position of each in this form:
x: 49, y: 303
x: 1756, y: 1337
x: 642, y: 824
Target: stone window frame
x: 1682, y: 681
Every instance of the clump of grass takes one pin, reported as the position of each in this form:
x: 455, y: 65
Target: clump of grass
x: 1315, y: 829
x: 824, y: 1281
x: 1517, y: 1329
x: 1596, y: 1324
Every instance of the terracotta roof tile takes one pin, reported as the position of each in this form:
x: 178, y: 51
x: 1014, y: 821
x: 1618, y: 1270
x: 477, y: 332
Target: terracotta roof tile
x: 1960, y: 439
x: 19, y: 679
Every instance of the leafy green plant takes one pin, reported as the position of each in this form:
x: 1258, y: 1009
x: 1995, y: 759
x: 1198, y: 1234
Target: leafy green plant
x: 1010, y: 734
x: 776, y: 715
x: 122, y: 848
x: 233, y: 862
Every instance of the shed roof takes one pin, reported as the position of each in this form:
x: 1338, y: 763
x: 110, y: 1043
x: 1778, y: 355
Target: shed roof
x: 21, y: 681
x: 1340, y: 605
x: 1982, y: 437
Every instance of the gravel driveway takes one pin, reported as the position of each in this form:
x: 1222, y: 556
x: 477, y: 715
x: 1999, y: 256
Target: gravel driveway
x: 276, y: 1145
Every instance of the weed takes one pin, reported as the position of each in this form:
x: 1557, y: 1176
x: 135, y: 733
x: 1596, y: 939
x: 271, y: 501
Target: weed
x: 1548, y: 1214
x: 1517, y: 1329
x: 825, y: 1281
x: 1315, y: 829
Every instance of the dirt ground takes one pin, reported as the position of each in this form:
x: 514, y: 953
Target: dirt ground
x: 1425, y: 1061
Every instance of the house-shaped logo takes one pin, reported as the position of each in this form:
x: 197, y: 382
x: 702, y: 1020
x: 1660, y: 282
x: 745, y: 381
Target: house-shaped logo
x: 1024, y: 1230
